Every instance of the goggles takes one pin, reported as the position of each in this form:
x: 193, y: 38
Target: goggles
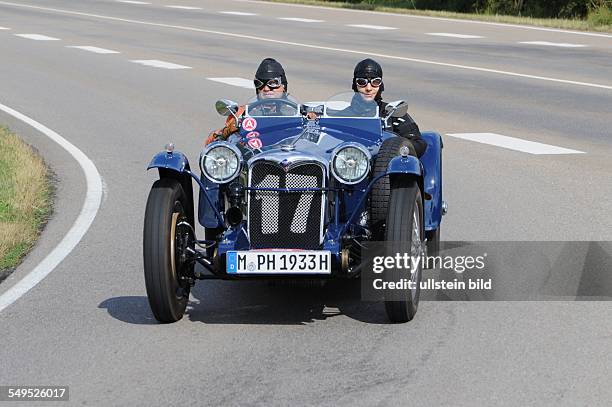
x: 363, y: 82
x: 273, y: 83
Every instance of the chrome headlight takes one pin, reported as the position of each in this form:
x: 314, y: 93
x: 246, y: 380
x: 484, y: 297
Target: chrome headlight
x: 220, y: 162
x: 350, y: 163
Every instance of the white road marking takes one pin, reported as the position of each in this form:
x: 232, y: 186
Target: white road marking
x: 241, y: 82
x: 132, y: 2
x: 312, y: 46
x: 93, y: 49
x: 237, y: 13
x: 155, y: 63
x: 553, y: 44
x: 513, y: 143
x: 37, y: 37
x: 4, y: 28
x: 466, y: 36
x: 301, y: 20
x: 452, y: 20
x: 371, y: 27
x: 185, y: 7
x: 80, y: 226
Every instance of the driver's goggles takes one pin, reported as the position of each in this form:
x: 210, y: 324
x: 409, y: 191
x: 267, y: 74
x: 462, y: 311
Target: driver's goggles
x: 273, y: 83
x: 363, y: 82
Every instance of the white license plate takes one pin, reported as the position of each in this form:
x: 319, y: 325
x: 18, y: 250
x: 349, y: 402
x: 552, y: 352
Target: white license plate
x: 279, y: 262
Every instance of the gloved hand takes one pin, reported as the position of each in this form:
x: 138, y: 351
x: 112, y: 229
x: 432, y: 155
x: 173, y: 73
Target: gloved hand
x: 212, y: 137
x: 405, y: 127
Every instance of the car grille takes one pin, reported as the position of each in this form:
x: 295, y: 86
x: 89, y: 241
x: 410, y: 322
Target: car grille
x: 280, y: 219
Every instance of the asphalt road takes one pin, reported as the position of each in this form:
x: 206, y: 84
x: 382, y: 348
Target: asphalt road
x: 88, y: 324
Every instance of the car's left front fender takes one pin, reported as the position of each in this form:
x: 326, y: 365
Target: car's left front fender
x: 405, y: 165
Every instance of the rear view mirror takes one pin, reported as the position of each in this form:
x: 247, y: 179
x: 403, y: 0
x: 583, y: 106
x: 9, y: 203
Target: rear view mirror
x: 396, y: 109
x: 226, y: 107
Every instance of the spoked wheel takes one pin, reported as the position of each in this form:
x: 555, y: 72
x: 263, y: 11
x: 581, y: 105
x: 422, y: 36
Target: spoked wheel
x: 404, y: 234
x: 167, y: 237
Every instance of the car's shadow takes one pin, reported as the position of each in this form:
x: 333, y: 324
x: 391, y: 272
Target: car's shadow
x: 259, y: 302
x: 130, y: 309
x: 283, y: 303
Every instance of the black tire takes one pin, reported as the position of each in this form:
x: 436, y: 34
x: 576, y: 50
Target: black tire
x: 381, y: 191
x: 433, y: 242
x: 167, y: 289
x: 405, y: 205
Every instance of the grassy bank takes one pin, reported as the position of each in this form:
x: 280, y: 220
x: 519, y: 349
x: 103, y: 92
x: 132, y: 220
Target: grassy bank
x: 25, y: 199
x: 601, y: 20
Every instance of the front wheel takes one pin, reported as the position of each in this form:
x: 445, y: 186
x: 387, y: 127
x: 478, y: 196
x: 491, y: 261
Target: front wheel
x: 404, y: 234
x: 165, y: 241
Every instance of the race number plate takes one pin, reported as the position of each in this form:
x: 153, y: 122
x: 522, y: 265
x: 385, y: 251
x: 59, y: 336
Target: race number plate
x: 279, y: 262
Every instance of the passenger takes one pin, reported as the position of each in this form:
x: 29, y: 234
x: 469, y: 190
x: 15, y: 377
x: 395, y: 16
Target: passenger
x: 270, y: 83
x: 368, y: 81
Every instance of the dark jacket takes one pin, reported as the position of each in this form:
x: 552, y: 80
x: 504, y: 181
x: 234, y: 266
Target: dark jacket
x: 406, y: 127
x: 403, y: 126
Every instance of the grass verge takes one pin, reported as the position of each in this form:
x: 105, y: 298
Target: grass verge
x: 25, y: 199
x: 597, y: 21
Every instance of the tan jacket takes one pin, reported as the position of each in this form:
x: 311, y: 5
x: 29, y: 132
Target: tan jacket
x: 230, y: 128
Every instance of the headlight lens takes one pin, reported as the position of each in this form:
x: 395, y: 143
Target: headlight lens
x: 350, y: 163
x: 220, y: 162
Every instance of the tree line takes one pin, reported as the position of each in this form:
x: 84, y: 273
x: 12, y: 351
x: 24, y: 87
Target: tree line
x: 577, y: 9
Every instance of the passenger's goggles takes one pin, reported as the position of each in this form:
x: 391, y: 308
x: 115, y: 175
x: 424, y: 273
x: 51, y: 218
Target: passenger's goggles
x: 363, y: 82
x: 273, y: 83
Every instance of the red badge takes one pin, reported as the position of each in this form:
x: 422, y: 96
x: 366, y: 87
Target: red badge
x: 252, y: 134
x: 249, y: 124
x: 255, y: 143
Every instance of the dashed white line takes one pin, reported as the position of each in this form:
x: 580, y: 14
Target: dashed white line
x: 132, y: 2
x: 155, y: 63
x: 80, y: 226
x: 93, y: 49
x: 240, y: 82
x: 4, y: 28
x: 371, y: 27
x: 37, y: 37
x: 237, y: 13
x: 301, y: 20
x: 453, y: 35
x: 185, y: 7
x: 553, y: 44
x: 365, y: 52
x: 513, y: 143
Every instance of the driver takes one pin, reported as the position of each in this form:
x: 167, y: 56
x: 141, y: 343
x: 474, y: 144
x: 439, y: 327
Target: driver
x: 367, y: 80
x: 270, y: 83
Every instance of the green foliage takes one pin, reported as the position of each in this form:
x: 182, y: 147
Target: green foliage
x: 25, y: 199
x: 12, y: 257
x: 527, y: 8
x: 601, y: 14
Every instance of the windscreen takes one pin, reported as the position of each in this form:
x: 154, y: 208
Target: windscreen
x: 282, y: 106
x: 351, y: 104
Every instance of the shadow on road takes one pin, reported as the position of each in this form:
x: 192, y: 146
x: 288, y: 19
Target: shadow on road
x: 259, y: 302
x: 282, y: 303
x: 130, y: 309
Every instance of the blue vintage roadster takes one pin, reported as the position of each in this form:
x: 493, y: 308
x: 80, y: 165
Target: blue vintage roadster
x: 294, y: 194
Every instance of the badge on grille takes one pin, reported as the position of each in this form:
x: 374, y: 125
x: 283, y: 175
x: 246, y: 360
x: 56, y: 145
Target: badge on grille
x: 285, y: 164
